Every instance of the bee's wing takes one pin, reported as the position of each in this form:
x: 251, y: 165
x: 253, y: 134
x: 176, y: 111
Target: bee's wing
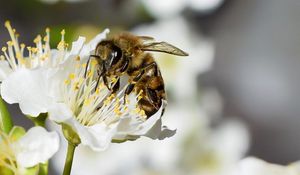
x: 163, y: 47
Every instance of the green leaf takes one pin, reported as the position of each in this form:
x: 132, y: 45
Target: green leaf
x: 6, y: 123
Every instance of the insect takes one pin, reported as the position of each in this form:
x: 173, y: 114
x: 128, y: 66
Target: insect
x: 125, y: 54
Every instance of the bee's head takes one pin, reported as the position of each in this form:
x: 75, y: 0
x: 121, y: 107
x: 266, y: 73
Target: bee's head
x: 109, y: 54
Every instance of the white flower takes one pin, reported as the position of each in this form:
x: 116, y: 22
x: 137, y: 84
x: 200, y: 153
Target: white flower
x: 96, y: 115
x: 171, y: 8
x: 255, y: 166
x: 19, y: 151
x: 13, y: 57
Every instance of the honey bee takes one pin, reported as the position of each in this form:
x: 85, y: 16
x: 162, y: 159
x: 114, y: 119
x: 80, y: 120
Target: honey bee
x: 125, y: 54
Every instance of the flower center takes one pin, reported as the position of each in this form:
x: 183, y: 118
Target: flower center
x: 91, y: 105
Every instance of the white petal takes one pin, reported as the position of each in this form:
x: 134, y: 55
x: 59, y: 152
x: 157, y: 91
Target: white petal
x: 151, y: 122
x: 77, y: 46
x: 159, y: 132
x: 130, y: 128
x: 36, y: 146
x: 29, y: 89
x: 59, y: 112
x: 5, y: 70
x: 97, y: 137
x: 90, y: 47
x: 255, y: 166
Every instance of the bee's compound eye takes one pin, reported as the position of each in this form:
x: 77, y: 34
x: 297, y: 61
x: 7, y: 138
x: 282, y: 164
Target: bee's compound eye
x: 116, y: 55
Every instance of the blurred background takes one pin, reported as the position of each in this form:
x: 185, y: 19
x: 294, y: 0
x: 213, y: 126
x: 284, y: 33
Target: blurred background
x: 237, y: 94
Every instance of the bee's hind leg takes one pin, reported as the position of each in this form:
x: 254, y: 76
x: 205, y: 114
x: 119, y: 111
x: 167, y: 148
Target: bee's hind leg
x: 116, y: 86
x: 128, y: 90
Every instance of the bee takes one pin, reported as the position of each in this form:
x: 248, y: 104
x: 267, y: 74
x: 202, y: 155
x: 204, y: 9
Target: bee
x: 126, y: 54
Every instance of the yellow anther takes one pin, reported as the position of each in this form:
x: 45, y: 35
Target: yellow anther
x: 142, y: 113
x: 72, y: 76
x: 37, y: 39
x: 18, y: 55
x: 76, y: 86
x: 84, y: 65
x: 67, y: 82
x: 47, y: 30
x: 139, y: 97
x: 94, y: 62
x: 107, y: 101
x: 46, y: 38
x: 114, y: 80
x: 4, y: 49
x: 137, y: 110
x: 97, y: 91
x: 22, y: 45
x: 89, y: 74
x: 34, y: 50
x: 77, y: 58
x: 2, y: 58
x: 9, y: 43
x: 7, y: 24
x: 61, y: 45
x: 29, y: 48
x: 14, y: 30
x: 87, y: 101
x: 63, y: 32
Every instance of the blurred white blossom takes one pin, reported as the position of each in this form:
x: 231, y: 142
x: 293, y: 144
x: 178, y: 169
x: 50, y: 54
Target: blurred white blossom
x: 255, y: 166
x: 20, y: 150
x: 171, y: 8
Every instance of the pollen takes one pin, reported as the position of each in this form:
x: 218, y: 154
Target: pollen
x: 72, y: 76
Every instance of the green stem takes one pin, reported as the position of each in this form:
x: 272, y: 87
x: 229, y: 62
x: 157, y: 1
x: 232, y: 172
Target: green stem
x: 69, y: 158
x: 39, y: 120
x: 43, y: 168
x: 6, y: 123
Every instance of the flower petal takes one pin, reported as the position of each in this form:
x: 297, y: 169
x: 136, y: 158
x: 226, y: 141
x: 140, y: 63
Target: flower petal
x: 97, y: 137
x: 59, y: 112
x: 77, y: 46
x: 130, y: 128
x: 36, y: 146
x: 5, y: 70
x: 29, y: 89
x: 90, y: 47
